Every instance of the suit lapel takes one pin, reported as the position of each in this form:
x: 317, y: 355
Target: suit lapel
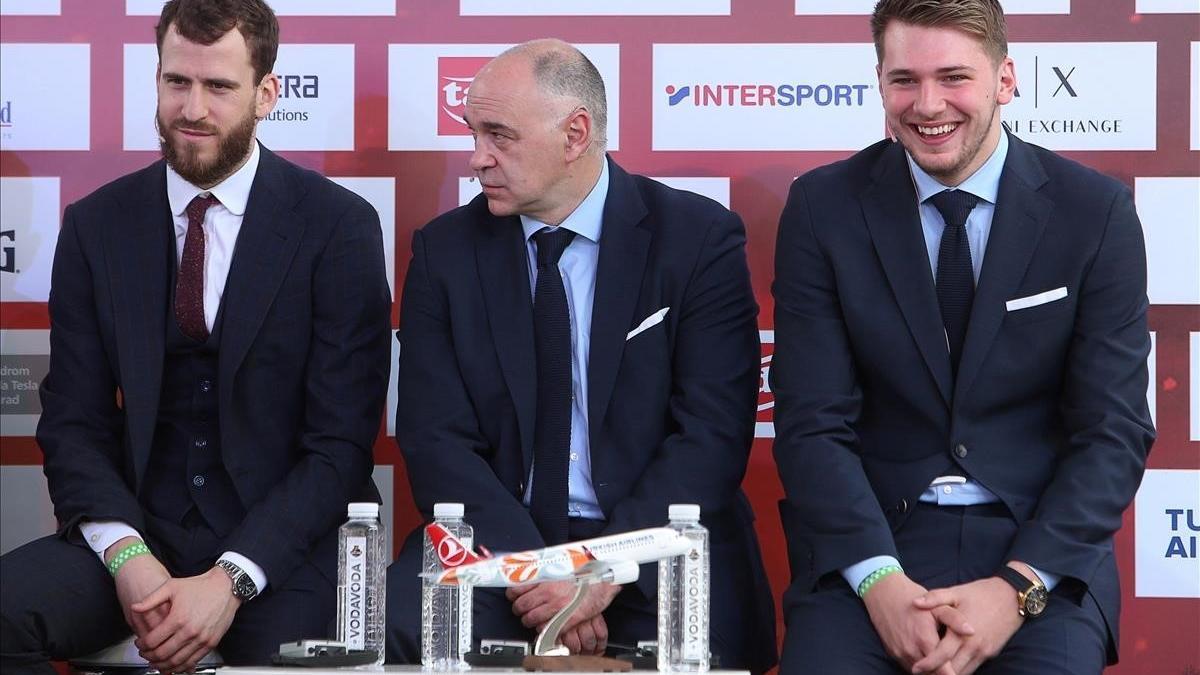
x: 270, y: 233
x: 621, y: 265
x: 139, y: 273
x: 1017, y: 225
x: 504, y: 276
x: 890, y: 208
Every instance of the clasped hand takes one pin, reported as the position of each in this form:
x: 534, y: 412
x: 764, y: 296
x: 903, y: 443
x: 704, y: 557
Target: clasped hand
x: 175, y: 621
x: 586, y: 631
x: 947, y: 631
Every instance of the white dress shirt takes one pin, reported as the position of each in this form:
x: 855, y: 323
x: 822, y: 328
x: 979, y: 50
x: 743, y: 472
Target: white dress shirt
x: 222, y: 222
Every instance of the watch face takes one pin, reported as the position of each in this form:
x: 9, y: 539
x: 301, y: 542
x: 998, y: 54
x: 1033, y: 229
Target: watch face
x: 244, y: 587
x: 1035, y: 601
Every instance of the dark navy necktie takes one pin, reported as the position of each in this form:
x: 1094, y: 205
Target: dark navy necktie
x: 955, y: 278
x: 189, y: 282
x: 552, y: 430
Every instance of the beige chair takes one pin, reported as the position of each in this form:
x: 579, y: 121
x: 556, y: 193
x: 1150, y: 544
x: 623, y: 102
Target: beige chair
x: 123, y: 658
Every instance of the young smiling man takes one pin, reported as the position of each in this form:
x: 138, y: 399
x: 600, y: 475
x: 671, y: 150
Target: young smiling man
x: 218, y: 365
x: 960, y: 378
x: 578, y: 350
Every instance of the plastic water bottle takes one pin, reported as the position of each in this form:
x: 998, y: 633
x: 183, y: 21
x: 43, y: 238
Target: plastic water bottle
x: 683, y: 597
x: 362, y: 574
x: 445, y: 610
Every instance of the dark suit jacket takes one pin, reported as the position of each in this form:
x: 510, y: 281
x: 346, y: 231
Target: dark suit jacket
x: 302, y: 363
x: 1049, y: 407
x: 671, y: 411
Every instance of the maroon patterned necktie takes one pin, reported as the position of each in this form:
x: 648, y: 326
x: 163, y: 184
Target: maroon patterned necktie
x: 189, y: 283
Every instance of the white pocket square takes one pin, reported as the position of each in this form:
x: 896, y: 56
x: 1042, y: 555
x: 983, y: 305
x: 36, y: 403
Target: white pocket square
x: 1035, y: 300
x: 650, y: 322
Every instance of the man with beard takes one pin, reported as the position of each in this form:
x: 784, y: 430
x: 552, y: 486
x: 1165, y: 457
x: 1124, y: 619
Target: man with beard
x: 218, y: 365
x: 959, y: 376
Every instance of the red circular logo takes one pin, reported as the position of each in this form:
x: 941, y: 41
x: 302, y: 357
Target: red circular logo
x: 451, y: 553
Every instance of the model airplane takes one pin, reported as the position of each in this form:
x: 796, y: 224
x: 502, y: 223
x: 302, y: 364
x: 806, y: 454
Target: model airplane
x: 613, y: 559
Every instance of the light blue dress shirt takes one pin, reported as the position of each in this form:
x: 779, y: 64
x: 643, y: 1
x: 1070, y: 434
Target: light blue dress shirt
x: 578, y: 269
x: 985, y: 184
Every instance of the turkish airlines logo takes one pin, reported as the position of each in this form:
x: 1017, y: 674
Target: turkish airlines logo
x: 455, y: 74
x: 451, y: 552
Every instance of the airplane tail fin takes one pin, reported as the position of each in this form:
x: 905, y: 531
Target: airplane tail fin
x: 450, y: 550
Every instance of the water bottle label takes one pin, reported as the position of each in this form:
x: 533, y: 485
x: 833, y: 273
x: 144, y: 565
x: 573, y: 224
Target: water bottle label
x: 695, y: 642
x: 354, y: 618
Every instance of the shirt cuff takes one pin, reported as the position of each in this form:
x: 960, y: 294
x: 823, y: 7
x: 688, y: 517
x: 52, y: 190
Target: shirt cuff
x: 256, y: 573
x: 854, y: 574
x: 1049, y: 579
x: 100, y: 534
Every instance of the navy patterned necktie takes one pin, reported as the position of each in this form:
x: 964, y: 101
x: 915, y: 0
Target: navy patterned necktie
x: 955, y: 278
x: 552, y: 430
x: 189, y: 282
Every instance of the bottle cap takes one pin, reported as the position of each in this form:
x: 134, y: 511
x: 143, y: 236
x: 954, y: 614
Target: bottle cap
x: 447, y: 510
x: 683, y: 512
x: 362, y: 510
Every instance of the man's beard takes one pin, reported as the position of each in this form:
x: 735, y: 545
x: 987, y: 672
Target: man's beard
x: 232, y: 150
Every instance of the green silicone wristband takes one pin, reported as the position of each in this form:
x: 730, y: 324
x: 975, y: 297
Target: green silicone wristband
x: 874, y: 577
x: 124, y: 555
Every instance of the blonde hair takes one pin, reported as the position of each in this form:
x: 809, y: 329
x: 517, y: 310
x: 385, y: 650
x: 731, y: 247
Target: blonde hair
x: 981, y: 19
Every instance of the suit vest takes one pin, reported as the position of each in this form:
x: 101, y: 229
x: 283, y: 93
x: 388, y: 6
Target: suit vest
x: 185, y: 476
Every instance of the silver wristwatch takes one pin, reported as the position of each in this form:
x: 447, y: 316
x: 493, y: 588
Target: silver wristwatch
x: 244, y: 587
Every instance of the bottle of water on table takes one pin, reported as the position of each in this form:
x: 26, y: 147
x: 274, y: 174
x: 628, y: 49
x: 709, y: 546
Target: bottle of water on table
x: 683, y: 593
x: 362, y: 577
x: 445, y: 610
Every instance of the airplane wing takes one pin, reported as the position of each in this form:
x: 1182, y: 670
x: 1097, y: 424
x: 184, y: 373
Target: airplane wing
x: 614, y: 572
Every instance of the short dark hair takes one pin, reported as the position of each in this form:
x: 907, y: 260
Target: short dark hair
x: 205, y: 21
x: 981, y: 19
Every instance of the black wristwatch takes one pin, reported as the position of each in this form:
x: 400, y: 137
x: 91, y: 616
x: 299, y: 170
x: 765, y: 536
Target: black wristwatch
x: 1031, y: 595
x: 244, y: 587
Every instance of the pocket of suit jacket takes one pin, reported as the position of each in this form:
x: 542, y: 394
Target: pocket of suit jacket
x: 1038, y: 306
x: 649, y: 322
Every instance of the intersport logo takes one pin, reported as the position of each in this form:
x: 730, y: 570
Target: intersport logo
x: 736, y: 97
x: 455, y: 74
x: 767, y: 95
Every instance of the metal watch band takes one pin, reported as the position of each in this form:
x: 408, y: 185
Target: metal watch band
x: 244, y: 587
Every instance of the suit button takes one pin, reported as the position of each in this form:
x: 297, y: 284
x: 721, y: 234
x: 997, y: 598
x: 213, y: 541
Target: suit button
x: 201, y: 443
x: 902, y: 507
x: 198, y: 480
x: 960, y: 451
x: 205, y: 385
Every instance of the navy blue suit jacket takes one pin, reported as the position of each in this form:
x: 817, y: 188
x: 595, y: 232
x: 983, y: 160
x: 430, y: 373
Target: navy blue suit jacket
x: 1048, y: 410
x: 671, y: 411
x: 302, y: 368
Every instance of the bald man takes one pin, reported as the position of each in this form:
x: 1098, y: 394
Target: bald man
x: 579, y: 350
